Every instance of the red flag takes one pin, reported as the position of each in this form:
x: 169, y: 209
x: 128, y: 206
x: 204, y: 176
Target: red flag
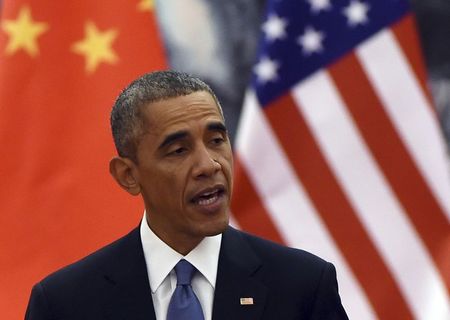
x: 62, y: 63
x: 339, y: 152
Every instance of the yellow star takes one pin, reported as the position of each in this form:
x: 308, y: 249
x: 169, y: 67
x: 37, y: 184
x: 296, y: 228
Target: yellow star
x: 23, y: 33
x: 96, y: 47
x: 146, y: 5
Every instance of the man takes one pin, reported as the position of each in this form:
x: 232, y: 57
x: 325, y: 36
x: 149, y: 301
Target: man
x: 183, y: 261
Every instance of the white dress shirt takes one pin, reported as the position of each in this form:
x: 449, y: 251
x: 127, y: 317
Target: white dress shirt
x: 161, y: 259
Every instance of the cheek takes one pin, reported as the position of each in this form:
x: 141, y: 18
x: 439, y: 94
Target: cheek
x: 229, y: 158
x: 176, y: 177
x: 228, y: 166
x: 161, y: 179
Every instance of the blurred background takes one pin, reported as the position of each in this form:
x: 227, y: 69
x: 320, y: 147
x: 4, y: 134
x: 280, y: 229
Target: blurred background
x: 198, y: 34
x: 330, y: 160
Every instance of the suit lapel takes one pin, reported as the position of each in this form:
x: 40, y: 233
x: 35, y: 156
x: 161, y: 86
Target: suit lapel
x: 128, y: 289
x: 127, y: 282
x: 235, y: 280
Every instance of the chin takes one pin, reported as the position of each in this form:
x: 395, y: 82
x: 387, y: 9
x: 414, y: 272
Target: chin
x: 215, y: 228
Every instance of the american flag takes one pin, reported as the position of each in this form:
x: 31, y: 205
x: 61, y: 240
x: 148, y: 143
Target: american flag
x: 339, y: 152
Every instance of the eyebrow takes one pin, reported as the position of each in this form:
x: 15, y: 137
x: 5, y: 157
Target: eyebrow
x: 179, y: 135
x: 217, y: 126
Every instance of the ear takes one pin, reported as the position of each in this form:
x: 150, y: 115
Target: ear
x: 123, y: 171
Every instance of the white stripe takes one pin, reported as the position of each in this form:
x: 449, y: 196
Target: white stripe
x: 404, y: 101
x: 286, y: 201
x: 371, y: 196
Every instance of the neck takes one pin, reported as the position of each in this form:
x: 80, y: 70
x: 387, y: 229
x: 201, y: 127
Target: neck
x: 182, y: 245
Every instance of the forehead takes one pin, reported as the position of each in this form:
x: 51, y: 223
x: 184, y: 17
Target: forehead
x: 178, y: 111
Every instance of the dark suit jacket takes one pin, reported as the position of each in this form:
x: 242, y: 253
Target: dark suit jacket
x: 112, y: 283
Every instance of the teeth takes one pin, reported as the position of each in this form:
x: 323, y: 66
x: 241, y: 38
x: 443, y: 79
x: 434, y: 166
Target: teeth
x: 205, y: 202
x: 208, y: 193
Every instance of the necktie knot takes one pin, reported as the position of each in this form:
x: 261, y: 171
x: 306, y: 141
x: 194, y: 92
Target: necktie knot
x: 185, y: 271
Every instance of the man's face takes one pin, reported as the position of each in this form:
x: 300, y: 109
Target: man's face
x: 185, y: 169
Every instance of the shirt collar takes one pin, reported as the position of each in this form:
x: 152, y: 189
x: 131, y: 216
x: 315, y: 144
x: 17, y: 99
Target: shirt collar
x: 161, y: 259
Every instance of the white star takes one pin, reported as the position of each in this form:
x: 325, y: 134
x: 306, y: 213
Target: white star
x: 319, y: 5
x: 311, y: 41
x: 356, y: 13
x: 275, y: 27
x: 266, y: 70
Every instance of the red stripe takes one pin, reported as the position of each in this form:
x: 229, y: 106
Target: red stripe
x: 248, y: 209
x: 335, y: 210
x: 405, y: 32
x: 392, y: 156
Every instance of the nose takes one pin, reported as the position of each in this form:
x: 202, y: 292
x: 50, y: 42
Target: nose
x: 205, y: 163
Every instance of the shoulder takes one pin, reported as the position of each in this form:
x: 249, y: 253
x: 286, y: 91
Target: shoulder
x: 103, y: 258
x: 287, y: 265
x: 79, y: 290
x: 299, y: 282
x: 270, y: 251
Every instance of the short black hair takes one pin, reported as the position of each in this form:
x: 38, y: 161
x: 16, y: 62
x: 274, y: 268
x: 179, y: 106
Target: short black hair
x: 127, y: 115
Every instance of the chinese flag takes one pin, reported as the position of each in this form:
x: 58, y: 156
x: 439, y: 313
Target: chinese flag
x: 62, y: 63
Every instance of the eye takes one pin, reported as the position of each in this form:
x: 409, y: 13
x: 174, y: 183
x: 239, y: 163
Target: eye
x: 177, y: 151
x: 218, y: 140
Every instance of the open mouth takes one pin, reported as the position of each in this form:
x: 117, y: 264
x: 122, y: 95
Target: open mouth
x: 208, y: 196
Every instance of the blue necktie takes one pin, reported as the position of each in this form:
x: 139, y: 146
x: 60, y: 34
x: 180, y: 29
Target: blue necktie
x: 184, y: 303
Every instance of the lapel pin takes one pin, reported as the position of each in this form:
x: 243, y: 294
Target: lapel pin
x: 246, y: 301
